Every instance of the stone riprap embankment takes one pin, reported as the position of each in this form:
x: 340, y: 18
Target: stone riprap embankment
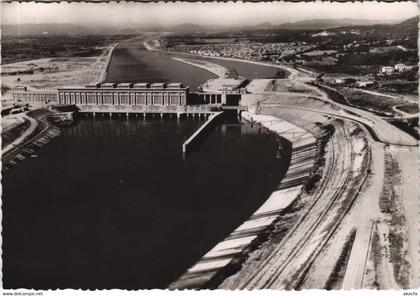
x: 100, y: 67
x: 223, y: 255
x: 38, y: 134
x: 216, y: 69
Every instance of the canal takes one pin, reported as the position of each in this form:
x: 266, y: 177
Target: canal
x: 113, y: 204
x: 132, y: 62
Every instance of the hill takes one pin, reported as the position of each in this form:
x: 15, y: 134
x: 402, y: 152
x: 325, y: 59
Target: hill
x: 39, y: 29
x: 322, y: 24
x: 314, y: 24
x: 408, y: 27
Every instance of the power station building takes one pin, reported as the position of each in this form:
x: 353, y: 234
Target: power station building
x: 126, y: 94
x: 35, y: 97
x: 130, y: 98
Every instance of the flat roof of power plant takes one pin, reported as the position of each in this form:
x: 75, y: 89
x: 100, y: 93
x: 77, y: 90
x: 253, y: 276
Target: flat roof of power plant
x: 108, y: 85
x: 157, y: 85
x: 125, y: 85
x: 141, y: 85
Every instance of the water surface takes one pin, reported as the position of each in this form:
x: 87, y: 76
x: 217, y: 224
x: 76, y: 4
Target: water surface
x: 132, y: 62
x: 113, y: 204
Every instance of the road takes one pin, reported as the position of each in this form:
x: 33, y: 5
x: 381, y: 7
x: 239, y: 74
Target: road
x: 381, y: 129
x: 362, y: 219
x: 408, y: 160
x: 282, y: 265
x: 405, y: 115
x: 385, y: 132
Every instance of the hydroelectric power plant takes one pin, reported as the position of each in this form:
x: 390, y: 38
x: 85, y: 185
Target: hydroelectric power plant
x: 132, y: 98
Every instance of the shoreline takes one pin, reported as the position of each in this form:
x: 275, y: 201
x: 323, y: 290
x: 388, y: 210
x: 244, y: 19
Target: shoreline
x: 224, y: 255
x: 26, y: 139
x: 27, y: 133
x: 290, y: 72
x: 76, y: 71
x: 37, y: 135
x: 104, y: 73
x: 215, y: 69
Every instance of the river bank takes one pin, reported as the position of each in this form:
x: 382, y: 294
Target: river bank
x: 287, y: 69
x: 38, y: 133
x: 52, y: 73
x: 218, y: 70
x: 102, y: 63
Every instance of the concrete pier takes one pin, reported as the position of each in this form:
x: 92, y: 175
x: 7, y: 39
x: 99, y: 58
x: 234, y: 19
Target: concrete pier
x: 191, y: 140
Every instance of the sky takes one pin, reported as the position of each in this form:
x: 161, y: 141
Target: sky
x: 223, y: 14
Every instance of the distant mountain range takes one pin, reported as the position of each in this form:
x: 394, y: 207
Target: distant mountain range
x: 408, y: 27
x: 71, y: 29
x: 322, y: 24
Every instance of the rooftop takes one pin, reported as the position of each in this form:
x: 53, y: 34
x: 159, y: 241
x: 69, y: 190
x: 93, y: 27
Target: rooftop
x: 141, y: 85
x: 108, y: 85
x: 157, y: 85
x: 124, y: 85
x: 222, y: 84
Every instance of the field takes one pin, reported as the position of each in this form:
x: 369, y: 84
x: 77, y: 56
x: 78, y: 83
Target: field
x: 382, y: 104
x: 19, y: 49
x: 56, y: 61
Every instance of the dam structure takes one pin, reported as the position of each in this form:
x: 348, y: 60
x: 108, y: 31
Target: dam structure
x: 131, y: 98
x: 126, y: 97
x: 138, y: 98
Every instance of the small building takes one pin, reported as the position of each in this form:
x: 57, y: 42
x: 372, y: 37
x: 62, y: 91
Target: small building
x: 400, y: 67
x: 387, y: 70
x: 365, y: 84
x: 338, y: 81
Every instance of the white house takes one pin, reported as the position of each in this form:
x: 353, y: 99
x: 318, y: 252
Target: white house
x: 387, y: 70
x: 364, y: 83
x: 400, y: 67
x: 339, y: 81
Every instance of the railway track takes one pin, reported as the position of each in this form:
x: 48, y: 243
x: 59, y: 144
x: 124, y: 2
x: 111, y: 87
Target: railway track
x: 258, y: 274
x: 334, y: 229
x: 268, y: 277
